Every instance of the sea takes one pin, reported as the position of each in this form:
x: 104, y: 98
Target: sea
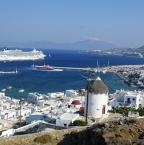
x: 44, y: 82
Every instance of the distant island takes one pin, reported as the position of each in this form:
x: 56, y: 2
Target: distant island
x: 126, y: 52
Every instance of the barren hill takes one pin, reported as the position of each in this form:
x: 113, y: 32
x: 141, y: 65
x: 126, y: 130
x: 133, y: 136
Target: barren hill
x: 125, y: 131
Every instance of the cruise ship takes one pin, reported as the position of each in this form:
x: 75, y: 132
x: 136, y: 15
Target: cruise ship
x: 10, y: 55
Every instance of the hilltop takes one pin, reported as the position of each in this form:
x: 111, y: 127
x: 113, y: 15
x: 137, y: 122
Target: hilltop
x: 125, y: 131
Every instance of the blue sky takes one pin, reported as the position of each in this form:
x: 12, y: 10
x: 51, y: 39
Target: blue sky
x: 118, y: 21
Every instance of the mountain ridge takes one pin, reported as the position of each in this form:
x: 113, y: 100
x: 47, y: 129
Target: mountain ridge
x: 79, y: 45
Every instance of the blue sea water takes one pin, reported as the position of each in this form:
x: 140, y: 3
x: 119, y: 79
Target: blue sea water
x: 55, y: 81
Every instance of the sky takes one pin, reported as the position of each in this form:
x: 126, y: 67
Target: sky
x: 120, y: 22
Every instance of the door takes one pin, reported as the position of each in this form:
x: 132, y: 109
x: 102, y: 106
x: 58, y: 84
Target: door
x: 128, y: 100
x: 103, y: 109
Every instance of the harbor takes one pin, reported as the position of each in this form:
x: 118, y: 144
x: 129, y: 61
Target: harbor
x: 122, y: 71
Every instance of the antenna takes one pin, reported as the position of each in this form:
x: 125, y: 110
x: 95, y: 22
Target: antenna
x: 98, y: 66
x: 87, y: 98
x: 20, y: 111
x: 89, y: 71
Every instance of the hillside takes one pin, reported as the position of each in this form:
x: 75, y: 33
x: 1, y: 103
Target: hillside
x: 123, y: 131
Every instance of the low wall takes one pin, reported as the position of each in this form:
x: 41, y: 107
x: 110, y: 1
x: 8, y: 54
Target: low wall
x: 37, y: 123
x: 27, y: 126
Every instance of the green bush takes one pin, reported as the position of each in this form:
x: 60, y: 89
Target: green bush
x: 78, y: 123
x: 1, y: 132
x: 125, y: 110
x: 22, y: 123
x: 14, y: 127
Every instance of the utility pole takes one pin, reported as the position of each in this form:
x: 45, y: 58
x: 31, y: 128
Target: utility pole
x: 20, y: 111
x: 51, y: 113
x: 87, y: 98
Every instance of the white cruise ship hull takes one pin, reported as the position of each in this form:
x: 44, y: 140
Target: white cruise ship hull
x: 18, y: 55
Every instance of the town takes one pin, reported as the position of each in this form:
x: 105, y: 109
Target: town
x: 62, y: 110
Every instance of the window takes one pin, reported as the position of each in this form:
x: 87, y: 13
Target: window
x: 133, y: 99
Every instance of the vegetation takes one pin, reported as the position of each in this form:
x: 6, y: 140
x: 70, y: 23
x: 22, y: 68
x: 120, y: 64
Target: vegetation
x: 43, y: 139
x: 14, y: 127
x: 78, y: 123
x: 22, y: 123
x: 80, y: 92
x: 46, y: 104
x: 125, y: 110
x: 1, y: 131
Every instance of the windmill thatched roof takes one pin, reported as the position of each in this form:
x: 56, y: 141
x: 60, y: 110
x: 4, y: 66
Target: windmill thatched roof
x: 97, y: 87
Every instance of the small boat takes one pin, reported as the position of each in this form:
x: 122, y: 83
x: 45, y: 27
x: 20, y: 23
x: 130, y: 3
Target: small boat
x: 49, y: 55
x: 9, y: 87
x: 21, y: 90
x: 3, y: 90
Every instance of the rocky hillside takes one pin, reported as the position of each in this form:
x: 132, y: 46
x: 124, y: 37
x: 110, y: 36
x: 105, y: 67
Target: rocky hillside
x: 121, y: 132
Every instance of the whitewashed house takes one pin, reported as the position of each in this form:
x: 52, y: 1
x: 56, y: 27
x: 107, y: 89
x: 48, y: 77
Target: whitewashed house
x: 76, y: 104
x: 66, y: 119
x: 127, y: 98
x: 71, y: 93
x: 36, y: 98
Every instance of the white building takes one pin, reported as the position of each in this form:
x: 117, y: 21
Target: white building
x: 97, y: 99
x: 71, y: 93
x: 66, y: 119
x: 76, y: 104
x: 36, y: 98
x: 127, y: 98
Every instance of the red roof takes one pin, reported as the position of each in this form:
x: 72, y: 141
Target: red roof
x: 81, y: 108
x: 76, y: 102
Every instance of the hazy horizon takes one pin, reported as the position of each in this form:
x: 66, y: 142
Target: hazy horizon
x: 117, y: 22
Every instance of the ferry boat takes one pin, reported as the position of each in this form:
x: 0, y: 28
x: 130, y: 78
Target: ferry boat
x: 43, y: 67
x: 10, y: 55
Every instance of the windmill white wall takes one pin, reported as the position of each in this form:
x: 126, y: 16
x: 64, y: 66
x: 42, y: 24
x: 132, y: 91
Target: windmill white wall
x: 97, y: 99
x: 97, y: 105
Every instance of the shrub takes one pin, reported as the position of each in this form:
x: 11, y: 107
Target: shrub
x: 14, y: 127
x: 78, y: 123
x: 1, y: 131
x: 23, y: 123
x: 43, y: 139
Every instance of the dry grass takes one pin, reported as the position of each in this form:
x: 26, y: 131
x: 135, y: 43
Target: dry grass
x: 43, y: 139
x: 133, y: 120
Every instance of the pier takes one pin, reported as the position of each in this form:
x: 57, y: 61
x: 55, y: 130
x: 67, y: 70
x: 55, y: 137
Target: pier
x: 9, y: 72
x: 111, y: 69
x: 119, y: 70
